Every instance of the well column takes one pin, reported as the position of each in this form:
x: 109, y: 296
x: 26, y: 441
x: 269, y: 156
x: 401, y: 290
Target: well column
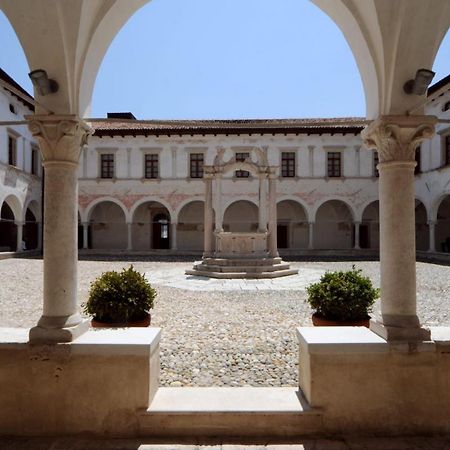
x: 396, y: 139
x: 273, y: 247
x: 60, y: 138
x: 208, y: 220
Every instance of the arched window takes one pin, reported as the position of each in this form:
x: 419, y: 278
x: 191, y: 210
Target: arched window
x: 446, y: 106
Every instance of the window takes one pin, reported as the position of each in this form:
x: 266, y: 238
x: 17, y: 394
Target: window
x: 12, y: 150
x: 196, y: 165
x: 107, y: 165
x: 447, y: 151
x: 375, y: 164
x: 288, y: 164
x: 34, y: 160
x: 334, y: 164
x: 417, y: 169
x: 446, y: 106
x: 241, y: 157
x: 151, y: 166
x: 12, y: 108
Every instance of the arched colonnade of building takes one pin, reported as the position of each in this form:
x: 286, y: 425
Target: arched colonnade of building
x: 332, y: 224
x: 20, y: 225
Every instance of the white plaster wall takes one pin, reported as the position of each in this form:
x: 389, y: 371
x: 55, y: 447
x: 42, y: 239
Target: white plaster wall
x: 108, y: 227
x: 190, y: 226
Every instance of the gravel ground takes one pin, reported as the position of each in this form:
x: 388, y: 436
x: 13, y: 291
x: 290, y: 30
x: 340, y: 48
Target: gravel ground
x: 217, y: 338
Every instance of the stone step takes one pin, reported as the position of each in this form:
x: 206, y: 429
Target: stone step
x: 247, y: 269
x: 237, y: 275
x: 229, y: 413
x: 242, y: 261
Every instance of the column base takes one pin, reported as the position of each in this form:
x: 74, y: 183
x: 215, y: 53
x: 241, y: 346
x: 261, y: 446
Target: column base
x: 53, y: 330
x: 399, y: 333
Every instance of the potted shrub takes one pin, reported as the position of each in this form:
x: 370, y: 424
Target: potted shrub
x: 120, y: 299
x: 342, y: 298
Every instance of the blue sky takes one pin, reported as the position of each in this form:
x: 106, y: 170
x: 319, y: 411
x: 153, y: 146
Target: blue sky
x: 178, y: 59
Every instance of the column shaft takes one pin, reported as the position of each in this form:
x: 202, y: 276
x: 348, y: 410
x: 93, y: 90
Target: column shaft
x: 85, y: 234
x: 19, y: 239
x: 273, y: 248
x: 432, y: 231
x: 311, y: 235
x: 208, y: 221
x: 262, y: 210
x: 173, y: 238
x: 357, y: 226
x: 129, y: 236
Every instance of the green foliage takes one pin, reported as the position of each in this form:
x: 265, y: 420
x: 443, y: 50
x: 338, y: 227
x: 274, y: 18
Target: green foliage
x: 342, y: 295
x: 120, y: 297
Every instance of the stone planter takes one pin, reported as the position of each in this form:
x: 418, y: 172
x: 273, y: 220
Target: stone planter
x: 321, y: 322
x: 136, y: 323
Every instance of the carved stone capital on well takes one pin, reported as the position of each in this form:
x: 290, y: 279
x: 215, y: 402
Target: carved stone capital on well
x: 60, y: 137
x: 208, y: 172
x: 397, y: 137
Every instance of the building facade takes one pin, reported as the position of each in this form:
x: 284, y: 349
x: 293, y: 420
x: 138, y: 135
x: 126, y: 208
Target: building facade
x: 141, y: 183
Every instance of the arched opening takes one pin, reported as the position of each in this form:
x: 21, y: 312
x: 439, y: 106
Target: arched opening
x: 292, y: 226
x: 422, y: 231
x: 30, y: 231
x: 333, y: 228
x: 108, y: 227
x: 241, y: 216
x: 8, y: 229
x: 443, y: 226
x: 190, y: 226
x: 151, y: 227
x: 369, y: 230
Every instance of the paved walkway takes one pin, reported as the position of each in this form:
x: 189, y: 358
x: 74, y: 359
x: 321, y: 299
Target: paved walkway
x: 176, y: 278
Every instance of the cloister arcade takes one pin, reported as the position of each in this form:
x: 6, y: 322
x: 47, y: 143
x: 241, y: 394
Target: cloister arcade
x: 403, y: 362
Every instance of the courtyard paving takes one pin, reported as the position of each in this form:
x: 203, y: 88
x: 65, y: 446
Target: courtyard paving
x: 218, y: 332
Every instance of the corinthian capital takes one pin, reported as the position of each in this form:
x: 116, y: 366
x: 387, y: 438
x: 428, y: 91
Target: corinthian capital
x: 397, y: 137
x: 60, y: 137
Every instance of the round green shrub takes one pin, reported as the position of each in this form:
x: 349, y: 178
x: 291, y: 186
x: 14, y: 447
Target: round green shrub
x: 342, y: 295
x: 120, y: 297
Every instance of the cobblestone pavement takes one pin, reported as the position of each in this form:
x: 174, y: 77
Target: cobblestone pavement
x: 215, y: 332
x: 410, y: 443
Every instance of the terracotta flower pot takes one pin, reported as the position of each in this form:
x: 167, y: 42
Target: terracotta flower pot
x: 321, y: 322
x: 136, y: 323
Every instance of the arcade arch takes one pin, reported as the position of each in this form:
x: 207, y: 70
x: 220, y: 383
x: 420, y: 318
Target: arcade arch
x: 190, y: 226
x: 241, y: 216
x: 369, y: 230
x: 108, y: 226
x: 443, y: 225
x: 8, y: 228
x: 333, y: 227
x: 292, y: 227
x: 151, y: 226
x: 422, y: 229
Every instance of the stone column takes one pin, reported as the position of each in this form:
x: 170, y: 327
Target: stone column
x: 129, y: 235
x: 218, y: 203
x: 19, y: 240
x: 262, y: 210
x: 85, y: 234
x: 208, y: 220
x: 60, y: 138
x: 273, y: 247
x: 310, y: 235
x: 396, y: 138
x: 356, y: 225
x: 432, y: 229
x: 173, y: 238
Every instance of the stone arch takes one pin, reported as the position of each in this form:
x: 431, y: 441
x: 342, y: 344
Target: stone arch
x: 108, y: 226
x: 443, y: 225
x: 151, y: 221
x: 333, y: 227
x: 422, y: 228
x: 31, y: 228
x: 88, y: 210
x: 292, y: 227
x: 150, y: 200
x: 190, y: 226
x: 337, y: 199
x: 369, y: 230
x: 240, y: 216
x: 16, y: 206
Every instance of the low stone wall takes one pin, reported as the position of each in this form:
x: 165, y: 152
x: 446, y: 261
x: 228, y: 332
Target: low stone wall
x: 365, y: 385
x: 96, y: 384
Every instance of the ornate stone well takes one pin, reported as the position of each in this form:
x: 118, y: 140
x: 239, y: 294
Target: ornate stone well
x: 233, y: 254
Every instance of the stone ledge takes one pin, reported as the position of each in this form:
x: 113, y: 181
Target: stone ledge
x: 117, y: 341
x: 340, y: 340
